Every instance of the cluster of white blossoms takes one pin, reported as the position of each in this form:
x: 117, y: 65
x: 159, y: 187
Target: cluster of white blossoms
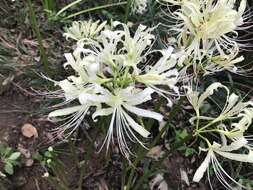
x: 112, y: 78
x: 84, y: 30
x: 230, y: 125
x: 207, y: 37
x: 207, y: 33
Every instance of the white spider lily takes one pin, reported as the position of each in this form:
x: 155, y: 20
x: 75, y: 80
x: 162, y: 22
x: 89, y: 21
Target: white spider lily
x: 84, y: 30
x: 136, y: 48
x: 205, y: 27
x: 197, y: 100
x: 233, y: 109
x: 121, y: 103
x: 104, y: 79
x: 139, y: 6
x: 87, y: 96
x: 119, y: 49
x: 238, y: 129
x: 75, y: 115
x: 232, y: 106
x: 106, y: 50
x: 162, y: 73
x: 218, y: 63
x: 209, y: 22
x: 226, y: 152
x: 84, y: 64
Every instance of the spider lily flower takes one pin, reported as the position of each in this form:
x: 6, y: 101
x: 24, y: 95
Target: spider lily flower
x: 197, y: 100
x: 205, y: 27
x: 139, y: 6
x: 104, y: 80
x: 87, y: 98
x: 84, y: 30
x: 225, y: 151
x: 119, y: 49
x: 227, y: 62
x: 120, y: 103
x: 207, y: 23
x: 105, y: 50
x: 137, y: 47
x: 233, y: 108
x: 162, y: 73
x: 84, y: 64
x: 238, y: 129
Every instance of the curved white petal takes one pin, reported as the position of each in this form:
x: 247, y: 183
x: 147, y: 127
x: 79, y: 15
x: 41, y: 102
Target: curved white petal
x: 85, y: 98
x: 138, y: 128
x: 65, y: 111
x: 234, y: 145
x: 203, y: 167
x: 141, y: 97
x: 102, y: 112
x: 237, y: 157
x: 209, y: 91
x: 144, y: 113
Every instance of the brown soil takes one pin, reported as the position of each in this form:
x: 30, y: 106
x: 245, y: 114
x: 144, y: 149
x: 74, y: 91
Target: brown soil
x: 17, y: 109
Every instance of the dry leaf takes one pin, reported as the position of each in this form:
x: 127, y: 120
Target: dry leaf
x: 155, y: 152
x: 24, y: 151
x: 29, y: 131
x: 29, y: 162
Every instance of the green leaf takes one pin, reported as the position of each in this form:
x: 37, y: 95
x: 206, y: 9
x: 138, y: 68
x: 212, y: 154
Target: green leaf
x: 182, y: 134
x: 8, y: 168
x: 2, y: 149
x: 48, y: 154
x: 189, y: 152
x: 38, y: 157
x: 8, y: 151
x: 14, y: 156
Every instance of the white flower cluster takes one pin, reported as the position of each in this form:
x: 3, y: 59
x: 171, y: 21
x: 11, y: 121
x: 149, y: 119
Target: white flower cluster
x: 231, y: 125
x: 112, y: 78
x: 84, y: 30
x: 207, y: 35
x: 115, y: 77
x: 207, y: 32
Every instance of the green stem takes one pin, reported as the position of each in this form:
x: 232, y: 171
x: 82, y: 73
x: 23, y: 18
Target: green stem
x: 123, y: 176
x: 211, y: 123
x: 197, y: 124
x: 211, y: 130
x: 67, y: 7
x: 95, y: 9
x: 38, y: 35
x: 74, y: 153
x: 127, y: 10
x: 141, y: 154
x: 143, y: 177
x: 123, y: 82
x: 204, y: 138
x: 87, y: 157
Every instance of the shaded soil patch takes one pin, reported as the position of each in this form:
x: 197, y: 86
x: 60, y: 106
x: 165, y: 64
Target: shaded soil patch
x: 17, y: 109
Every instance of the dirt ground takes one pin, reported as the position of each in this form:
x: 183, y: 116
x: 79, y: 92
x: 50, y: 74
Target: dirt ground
x: 16, y: 110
